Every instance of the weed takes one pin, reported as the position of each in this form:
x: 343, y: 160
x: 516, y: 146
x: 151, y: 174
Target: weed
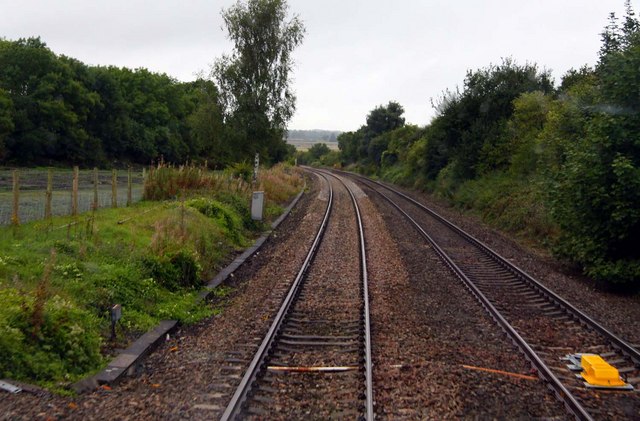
x: 150, y: 258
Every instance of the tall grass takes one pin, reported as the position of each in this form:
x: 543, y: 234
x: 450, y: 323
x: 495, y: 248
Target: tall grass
x: 151, y: 258
x: 165, y: 182
x: 513, y: 205
x: 280, y: 182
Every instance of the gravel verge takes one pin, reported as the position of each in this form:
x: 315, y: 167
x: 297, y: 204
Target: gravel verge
x: 618, y: 312
x: 427, y: 327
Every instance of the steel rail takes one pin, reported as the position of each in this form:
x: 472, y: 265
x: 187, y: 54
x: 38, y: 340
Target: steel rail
x: 570, y: 402
x: 240, y: 396
x: 369, y: 414
x: 618, y: 342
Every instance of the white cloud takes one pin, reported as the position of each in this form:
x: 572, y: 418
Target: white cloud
x: 356, y: 54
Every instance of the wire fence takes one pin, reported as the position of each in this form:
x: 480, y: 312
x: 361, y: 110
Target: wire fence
x: 33, y: 194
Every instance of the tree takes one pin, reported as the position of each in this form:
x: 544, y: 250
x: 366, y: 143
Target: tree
x: 472, y: 123
x: 50, y: 104
x: 205, y: 124
x: 596, y: 198
x: 348, y: 144
x: 317, y: 150
x: 256, y: 96
x: 6, y: 120
x: 385, y: 118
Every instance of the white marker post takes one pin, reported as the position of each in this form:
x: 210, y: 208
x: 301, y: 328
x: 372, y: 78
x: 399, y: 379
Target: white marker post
x: 256, y: 166
x: 257, y: 199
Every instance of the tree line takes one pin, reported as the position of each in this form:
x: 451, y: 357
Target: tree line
x: 313, y: 135
x: 57, y: 110
x: 561, y: 164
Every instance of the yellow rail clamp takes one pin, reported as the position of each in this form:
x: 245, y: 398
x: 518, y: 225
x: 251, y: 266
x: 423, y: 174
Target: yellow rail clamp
x: 599, y: 373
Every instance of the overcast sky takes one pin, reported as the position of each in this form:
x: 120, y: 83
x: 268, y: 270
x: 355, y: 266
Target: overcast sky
x: 357, y: 54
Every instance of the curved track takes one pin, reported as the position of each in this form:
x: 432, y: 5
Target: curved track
x: 543, y: 325
x: 315, y: 360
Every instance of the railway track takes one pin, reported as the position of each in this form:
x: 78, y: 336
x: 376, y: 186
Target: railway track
x: 544, y: 326
x: 315, y: 360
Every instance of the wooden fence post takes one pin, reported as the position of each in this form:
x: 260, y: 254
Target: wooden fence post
x: 74, y: 191
x: 114, y: 188
x: 15, y: 216
x: 129, y: 199
x: 94, y: 205
x: 48, y: 194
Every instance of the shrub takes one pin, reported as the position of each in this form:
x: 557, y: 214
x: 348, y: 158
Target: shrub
x: 243, y: 170
x: 224, y: 216
x: 67, y: 343
x: 175, y: 271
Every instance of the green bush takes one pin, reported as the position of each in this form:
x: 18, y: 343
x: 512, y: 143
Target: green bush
x: 224, y: 215
x: 243, y: 170
x: 66, y: 344
x: 241, y: 206
x: 175, y: 271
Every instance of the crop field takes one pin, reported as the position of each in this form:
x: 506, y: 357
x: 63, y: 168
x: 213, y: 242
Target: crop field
x: 33, y: 184
x: 305, y: 145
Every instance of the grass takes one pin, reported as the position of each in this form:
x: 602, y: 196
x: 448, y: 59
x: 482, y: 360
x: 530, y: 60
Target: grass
x: 33, y: 184
x: 516, y: 206
x: 59, y: 278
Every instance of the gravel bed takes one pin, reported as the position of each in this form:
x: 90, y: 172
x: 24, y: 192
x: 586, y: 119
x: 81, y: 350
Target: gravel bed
x: 427, y: 327
x: 618, y: 312
x: 188, y: 376
x: 546, y: 330
x: 329, y: 304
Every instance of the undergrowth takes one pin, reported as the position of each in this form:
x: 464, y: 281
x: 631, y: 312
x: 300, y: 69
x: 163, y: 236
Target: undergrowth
x: 59, y: 278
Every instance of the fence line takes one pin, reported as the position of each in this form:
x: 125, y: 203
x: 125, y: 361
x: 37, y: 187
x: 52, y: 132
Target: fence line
x: 29, y: 195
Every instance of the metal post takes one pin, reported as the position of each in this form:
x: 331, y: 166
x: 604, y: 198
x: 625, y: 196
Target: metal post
x: 129, y: 201
x: 114, y: 188
x: 94, y: 205
x: 15, y: 217
x: 48, y: 195
x: 256, y: 165
x: 74, y: 191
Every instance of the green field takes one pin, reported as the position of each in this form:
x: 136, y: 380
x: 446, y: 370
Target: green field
x: 305, y: 145
x: 33, y: 184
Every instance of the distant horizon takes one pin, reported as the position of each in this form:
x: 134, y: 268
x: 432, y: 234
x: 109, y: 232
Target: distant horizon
x: 312, y: 135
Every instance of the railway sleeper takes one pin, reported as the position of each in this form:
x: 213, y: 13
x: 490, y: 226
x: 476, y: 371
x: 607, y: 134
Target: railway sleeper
x: 263, y: 399
x: 298, y: 318
x: 213, y: 396
x: 278, y: 363
x: 257, y: 410
x: 319, y: 343
x: 221, y: 387
x: 260, y: 388
x: 207, y: 407
x: 231, y: 368
x: 236, y: 360
x: 317, y: 337
x: 282, y: 348
x: 555, y: 313
x: 327, y: 333
x: 247, y: 346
